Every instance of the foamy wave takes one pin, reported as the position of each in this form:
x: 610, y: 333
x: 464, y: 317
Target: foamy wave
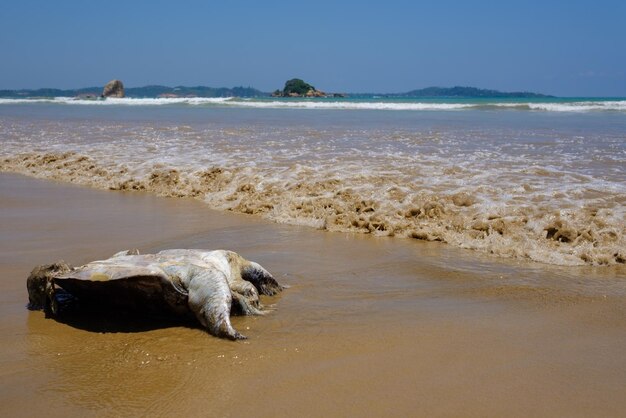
x: 526, y: 193
x: 111, y: 101
x: 344, y: 197
x: 235, y: 102
x: 325, y: 104
x: 346, y: 105
x: 426, y: 106
x: 33, y: 100
x: 619, y: 106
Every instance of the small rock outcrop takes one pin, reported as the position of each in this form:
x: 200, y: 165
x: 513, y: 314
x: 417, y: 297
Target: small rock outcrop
x: 114, y: 88
x: 298, y: 88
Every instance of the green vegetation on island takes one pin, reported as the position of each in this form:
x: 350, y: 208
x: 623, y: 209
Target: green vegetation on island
x: 299, y: 88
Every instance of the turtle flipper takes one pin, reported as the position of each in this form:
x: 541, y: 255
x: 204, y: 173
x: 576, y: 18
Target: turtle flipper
x: 210, y: 300
x: 261, y: 279
x: 243, y: 305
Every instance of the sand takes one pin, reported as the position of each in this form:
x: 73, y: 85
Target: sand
x: 370, y: 326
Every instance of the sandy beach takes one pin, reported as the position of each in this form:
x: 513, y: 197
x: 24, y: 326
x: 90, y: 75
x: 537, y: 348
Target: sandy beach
x: 370, y: 326
x: 438, y: 189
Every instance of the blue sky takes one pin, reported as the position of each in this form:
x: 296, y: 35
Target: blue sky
x: 567, y: 48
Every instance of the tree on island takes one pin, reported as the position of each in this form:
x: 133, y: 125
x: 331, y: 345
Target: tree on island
x: 297, y: 86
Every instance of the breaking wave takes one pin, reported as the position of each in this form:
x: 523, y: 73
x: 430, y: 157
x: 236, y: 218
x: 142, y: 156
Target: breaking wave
x: 365, y: 203
x: 111, y: 101
x: 553, y: 200
x: 342, y: 104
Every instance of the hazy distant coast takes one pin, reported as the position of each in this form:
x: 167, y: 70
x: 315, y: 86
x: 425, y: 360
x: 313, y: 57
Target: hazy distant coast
x: 140, y: 92
x: 203, y: 91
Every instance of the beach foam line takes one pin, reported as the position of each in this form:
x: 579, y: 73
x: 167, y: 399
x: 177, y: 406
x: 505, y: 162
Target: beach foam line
x: 589, y: 234
x: 345, y: 105
x: 236, y: 102
x: 580, y: 106
x: 110, y: 101
x: 567, y: 106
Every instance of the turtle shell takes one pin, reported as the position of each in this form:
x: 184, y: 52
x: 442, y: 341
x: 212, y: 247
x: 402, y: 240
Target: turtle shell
x: 145, y: 283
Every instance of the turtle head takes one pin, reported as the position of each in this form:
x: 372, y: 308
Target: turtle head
x: 260, y: 278
x: 39, y: 283
x: 124, y: 253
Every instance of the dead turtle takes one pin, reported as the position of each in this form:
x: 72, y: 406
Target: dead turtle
x: 207, y: 285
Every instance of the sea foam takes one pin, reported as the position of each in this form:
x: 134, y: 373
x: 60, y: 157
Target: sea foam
x: 344, y: 104
x: 524, y: 194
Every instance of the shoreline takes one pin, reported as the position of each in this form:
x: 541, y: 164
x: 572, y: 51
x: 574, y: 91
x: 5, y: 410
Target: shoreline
x: 442, y: 331
x: 571, y: 237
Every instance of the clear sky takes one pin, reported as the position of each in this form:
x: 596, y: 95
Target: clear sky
x: 566, y: 48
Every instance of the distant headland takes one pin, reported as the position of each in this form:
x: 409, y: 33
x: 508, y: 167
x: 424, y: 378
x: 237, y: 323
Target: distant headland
x: 293, y: 88
x: 139, y: 92
x: 467, y: 92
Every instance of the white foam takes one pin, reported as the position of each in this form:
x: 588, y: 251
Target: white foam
x: 580, y: 106
x: 301, y: 175
x: 110, y: 101
x: 348, y: 105
x: 17, y: 101
x: 586, y: 106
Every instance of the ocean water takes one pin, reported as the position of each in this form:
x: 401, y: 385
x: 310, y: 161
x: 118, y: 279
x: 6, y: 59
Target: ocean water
x: 541, y: 179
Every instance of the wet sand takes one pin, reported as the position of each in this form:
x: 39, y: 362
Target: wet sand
x: 370, y: 326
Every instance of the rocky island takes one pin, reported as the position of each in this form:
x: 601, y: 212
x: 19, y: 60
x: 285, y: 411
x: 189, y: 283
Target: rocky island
x: 299, y: 88
x: 114, y: 88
